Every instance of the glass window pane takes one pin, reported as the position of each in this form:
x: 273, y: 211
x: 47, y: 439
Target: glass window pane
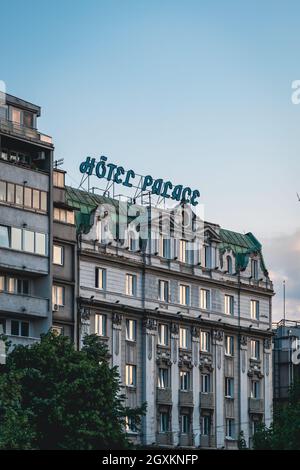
x: 62, y: 215
x: 2, y: 283
x: 14, y: 328
x: 24, y: 328
x: 10, y: 192
x: 2, y: 191
x: 35, y: 199
x: 4, y: 155
x: 43, y: 201
x: 28, y: 241
x: 16, y: 238
x: 16, y: 115
x: 40, y: 243
x: 27, y: 119
x: 4, y: 236
x: 11, y: 285
x: 19, y: 195
x: 70, y: 217
x: 27, y: 197
x: 25, y: 284
x: 57, y: 254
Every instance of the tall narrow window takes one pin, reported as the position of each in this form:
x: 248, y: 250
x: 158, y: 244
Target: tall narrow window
x: 10, y: 192
x: 100, y: 324
x: 130, y: 375
x: 230, y: 432
x: 40, y: 243
x: 205, y: 341
x: 229, y: 304
x: 130, y: 284
x: 185, y: 380
x: 163, y: 334
x: 254, y: 269
x: 16, y: 238
x: 58, y: 294
x: 229, y: 345
x: 229, y: 390
x: 229, y: 264
x: 163, y: 291
x: 27, y: 197
x: 205, y: 383
x: 255, y: 389
x: 204, y: 299
x: 2, y: 191
x: 163, y: 378
x: 100, y: 281
x: 184, y: 294
x: 254, y: 307
x: 131, y: 330
x: 164, y: 247
x: 58, y: 255
x: 254, y: 349
x: 208, y: 257
x: 183, y: 338
x: 185, y: 424
x: 19, y: 195
x: 183, y: 251
x: 164, y: 421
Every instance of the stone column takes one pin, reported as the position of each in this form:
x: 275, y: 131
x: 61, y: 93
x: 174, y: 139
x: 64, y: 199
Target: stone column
x: 149, y: 379
x: 219, y: 386
x: 268, y: 385
x: 196, y: 384
x: 244, y: 395
x: 175, y: 382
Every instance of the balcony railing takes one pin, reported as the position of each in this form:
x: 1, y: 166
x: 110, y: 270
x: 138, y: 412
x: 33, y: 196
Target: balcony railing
x: 24, y: 304
x: 207, y: 400
x: 164, y: 396
x: 186, y: 398
x: 207, y: 441
x: 164, y: 438
x: 256, y: 405
x: 28, y: 133
x: 186, y: 440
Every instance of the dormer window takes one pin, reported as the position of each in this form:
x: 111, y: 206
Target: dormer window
x: 208, y: 257
x: 229, y: 264
x: 254, y: 269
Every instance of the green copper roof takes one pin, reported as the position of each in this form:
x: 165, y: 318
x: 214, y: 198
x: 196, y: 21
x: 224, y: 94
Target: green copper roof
x: 242, y: 246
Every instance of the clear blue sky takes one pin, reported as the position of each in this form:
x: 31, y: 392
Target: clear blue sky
x: 196, y: 91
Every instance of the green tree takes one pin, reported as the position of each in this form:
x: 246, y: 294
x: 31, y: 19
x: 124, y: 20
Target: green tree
x: 54, y: 397
x: 284, y: 433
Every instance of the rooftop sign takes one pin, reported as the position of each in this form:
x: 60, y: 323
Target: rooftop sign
x: 118, y: 174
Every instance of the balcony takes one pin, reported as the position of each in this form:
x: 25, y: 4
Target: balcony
x: 21, y: 340
x: 164, y: 396
x: 256, y: 405
x: 208, y: 442
x: 24, y: 304
x: 164, y: 438
x: 207, y: 400
x: 28, y: 133
x: 186, y: 440
x: 186, y: 398
x: 25, y: 262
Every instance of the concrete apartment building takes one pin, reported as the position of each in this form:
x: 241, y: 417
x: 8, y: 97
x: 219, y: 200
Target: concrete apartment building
x: 189, y: 328
x: 286, y: 358
x: 25, y: 222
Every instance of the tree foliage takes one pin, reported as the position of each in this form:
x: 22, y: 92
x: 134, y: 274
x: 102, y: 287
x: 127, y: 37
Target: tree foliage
x: 284, y: 433
x: 54, y: 397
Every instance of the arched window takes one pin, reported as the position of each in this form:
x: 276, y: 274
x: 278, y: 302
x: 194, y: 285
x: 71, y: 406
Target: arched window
x: 229, y: 264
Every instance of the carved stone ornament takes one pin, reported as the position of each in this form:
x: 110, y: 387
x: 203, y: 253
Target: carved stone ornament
x: 267, y: 343
x: 205, y: 363
x: 85, y: 313
x: 243, y: 340
x: 150, y: 324
x: 174, y: 328
x: 218, y: 335
x: 185, y: 359
x: 163, y: 357
x: 117, y: 318
x: 195, y: 331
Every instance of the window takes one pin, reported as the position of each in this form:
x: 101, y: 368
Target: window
x: 58, y: 295
x: 58, y: 179
x: 16, y: 238
x: 163, y: 334
x: 205, y: 341
x: 28, y: 241
x: 255, y: 389
x: 164, y: 247
x: 19, y: 328
x: 35, y: 199
x: 19, y: 194
x: 184, y: 294
x: 2, y: 283
x: 254, y: 269
x: 63, y: 215
x: 132, y: 241
x: 4, y: 236
x: 204, y: 299
x: 230, y: 433
x: 205, y: 425
x: 229, y: 391
x: 16, y: 115
x: 183, y: 338
x: 163, y: 291
x: 163, y: 378
x: 208, y: 256
x: 183, y: 253
x: 185, y: 424
x: 229, y: 345
x: 100, y: 324
x: 27, y: 197
x: 10, y: 193
x: 130, y: 424
x: 11, y: 285
x: 40, y: 243
x: 131, y: 330
x: 254, y: 349
x: 205, y: 383
x: 2, y: 191
x: 130, y: 375
x: 2, y: 325
x: 254, y: 309
x: 130, y: 284
x: 229, y: 304
x: 185, y: 380
x: 58, y: 255
x: 164, y: 421
x: 100, y: 281
x: 229, y: 264
x: 27, y: 119
x: 43, y: 206
x: 22, y: 286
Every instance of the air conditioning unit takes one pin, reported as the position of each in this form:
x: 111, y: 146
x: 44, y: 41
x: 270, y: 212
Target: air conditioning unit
x: 55, y: 308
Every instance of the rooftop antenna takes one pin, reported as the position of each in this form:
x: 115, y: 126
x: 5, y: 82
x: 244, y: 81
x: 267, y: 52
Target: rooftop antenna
x: 58, y: 162
x: 284, y: 303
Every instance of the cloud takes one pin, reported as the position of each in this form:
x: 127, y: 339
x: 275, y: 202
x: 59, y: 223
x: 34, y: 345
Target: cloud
x: 282, y: 257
